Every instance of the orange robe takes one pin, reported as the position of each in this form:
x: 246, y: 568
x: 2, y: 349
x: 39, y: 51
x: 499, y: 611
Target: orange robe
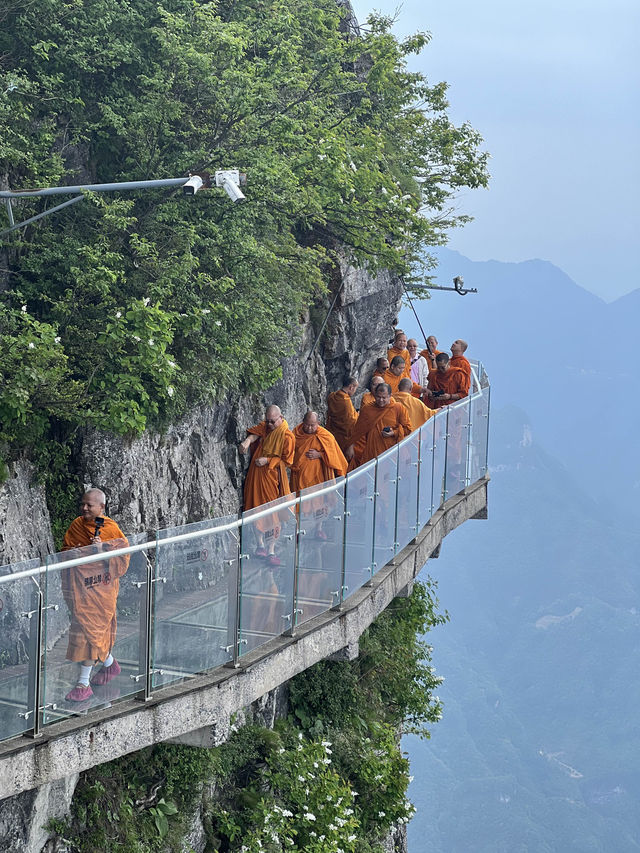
x: 418, y: 413
x: 371, y: 422
x: 341, y: 417
x: 367, y: 399
x: 269, y: 482
x: 393, y: 380
x: 462, y: 363
x: 310, y: 472
x: 91, y: 591
x: 393, y: 352
x: 452, y: 381
x: 431, y: 359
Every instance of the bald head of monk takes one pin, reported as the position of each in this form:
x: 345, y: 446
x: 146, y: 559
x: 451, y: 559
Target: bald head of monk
x: 382, y: 395
x: 272, y: 418
x: 92, y: 504
x: 398, y: 365
x: 310, y: 423
x: 350, y: 385
x: 458, y: 347
x: 376, y: 379
x: 400, y: 341
x: 382, y: 364
x: 405, y: 385
x: 442, y: 362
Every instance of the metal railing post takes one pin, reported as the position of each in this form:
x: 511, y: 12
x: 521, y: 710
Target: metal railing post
x: 35, y: 616
x: 343, y: 566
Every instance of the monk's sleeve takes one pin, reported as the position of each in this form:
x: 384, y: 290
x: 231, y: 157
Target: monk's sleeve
x: 463, y: 384
x: 362, y: 426
x: 404, y: 424
x: 288, y: 449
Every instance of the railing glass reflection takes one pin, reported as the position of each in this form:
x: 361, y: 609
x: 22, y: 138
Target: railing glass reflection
x: 202, y: 595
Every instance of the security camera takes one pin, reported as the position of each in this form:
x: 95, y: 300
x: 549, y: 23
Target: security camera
x: 192, y: 186
x: 230, y: 180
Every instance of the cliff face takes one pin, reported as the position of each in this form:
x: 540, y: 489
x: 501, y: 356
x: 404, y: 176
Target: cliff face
x: 194, y: 471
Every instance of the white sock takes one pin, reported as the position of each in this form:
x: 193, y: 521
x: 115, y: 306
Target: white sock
x: 85, y: 672
x: 108, y: 660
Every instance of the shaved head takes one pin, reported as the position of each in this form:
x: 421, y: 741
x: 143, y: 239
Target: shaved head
x: 458, y: 347
x: 405, y: 385
x: 92, y: 504
x: 376, y: 379
x: 96, y: 495
x: 310, y: 422
x: 272, y: 417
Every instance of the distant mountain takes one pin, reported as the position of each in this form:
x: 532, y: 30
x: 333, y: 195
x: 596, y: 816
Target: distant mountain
x: 563, y: 354
x: 538, y: 748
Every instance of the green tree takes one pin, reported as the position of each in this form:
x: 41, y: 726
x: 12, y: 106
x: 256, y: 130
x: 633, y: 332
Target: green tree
x: 158, y: 299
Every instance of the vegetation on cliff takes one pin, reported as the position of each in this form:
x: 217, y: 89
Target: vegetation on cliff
x: 125, y: 310
x: 329, y: 777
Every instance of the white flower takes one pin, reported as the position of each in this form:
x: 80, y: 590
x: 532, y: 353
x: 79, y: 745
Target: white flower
x: 313, y: 833
x: 315, y: 764
x: 286, y: 813
x: 118, y: 315
x: 146, y: 300
x: 309, y: 816
x: 57, y: 340
x: 173, y: 364
x: 382, y: 814
x: 136, y: 338
x: 348, y: 811
x: 332, y: 827
x: 410, y: 778
x: 378, y: 777
x: 206, y: 310
x: 326, y: 743
x: 352, y: 838
x: 326, y: 761
x: 301, y: 779
x: 32, y: 345
x: 218, y: 322
x: 322, y: 156
x: 300, y: 735
x: 170, y: 390
x: 24, y: 309
x: 281, y: 750
x: 299, y: 747
x: 151, y: 342
x: 329, y: 798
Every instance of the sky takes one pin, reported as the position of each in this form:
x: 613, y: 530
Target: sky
x: 553, y: 87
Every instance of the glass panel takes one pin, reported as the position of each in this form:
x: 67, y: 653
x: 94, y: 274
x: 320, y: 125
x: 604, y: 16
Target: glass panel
x: 194, y: 599
x: 458, y: 432
x: 90, y: 610
x: 19, y: 653
x: 408, y: 455
x: 479, y: 427
x: 426, y: 471
x: 321, y: 523
x: 360, y: 502
x: 439, y: 457
x: 385, y: 515
x: 267, y: 572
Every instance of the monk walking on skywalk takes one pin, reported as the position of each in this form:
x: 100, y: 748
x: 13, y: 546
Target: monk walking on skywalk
x: 91, y: 594
x: 273, y: 446
x: 382, y: 425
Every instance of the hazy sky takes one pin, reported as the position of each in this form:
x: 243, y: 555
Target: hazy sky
x: 553, y: 86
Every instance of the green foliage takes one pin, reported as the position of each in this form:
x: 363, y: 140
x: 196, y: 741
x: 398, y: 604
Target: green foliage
x: 157, y: 299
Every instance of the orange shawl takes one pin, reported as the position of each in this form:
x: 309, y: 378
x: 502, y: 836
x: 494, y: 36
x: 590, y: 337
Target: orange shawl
x: 341, y: 417
x: 371, y: 422
x: 418, y: 413
x: 309, y: 472
x: 269, y: 482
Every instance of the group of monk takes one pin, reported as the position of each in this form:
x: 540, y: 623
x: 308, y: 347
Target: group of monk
x: 406, y: 389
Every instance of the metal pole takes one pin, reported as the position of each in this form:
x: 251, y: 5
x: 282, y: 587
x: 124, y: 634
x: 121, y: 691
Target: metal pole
x: 343, y: 568
x: 34, y: 688
x: 80, y: 188
x: 15, y: 226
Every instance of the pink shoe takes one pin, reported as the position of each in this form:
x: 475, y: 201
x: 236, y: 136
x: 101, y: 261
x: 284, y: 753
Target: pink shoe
x: 273, y: 560
x: 105, y: 675
x: 320, y: 534
x: 261, y: 552
x: 80, y: 693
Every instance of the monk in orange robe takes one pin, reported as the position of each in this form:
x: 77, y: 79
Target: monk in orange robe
x: 396, y: 372
x: 382, y: 425
x: 459, y: 360
x: 431, y: 351
x: 91, y: 594
x: 446, y: 384
x: 273, y: 448
x: 399, y: 348
x: 368, y: 397
x: 341, y: 416
x: 382, y: 364
x: 418, y: 413
x: 318, y: 459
